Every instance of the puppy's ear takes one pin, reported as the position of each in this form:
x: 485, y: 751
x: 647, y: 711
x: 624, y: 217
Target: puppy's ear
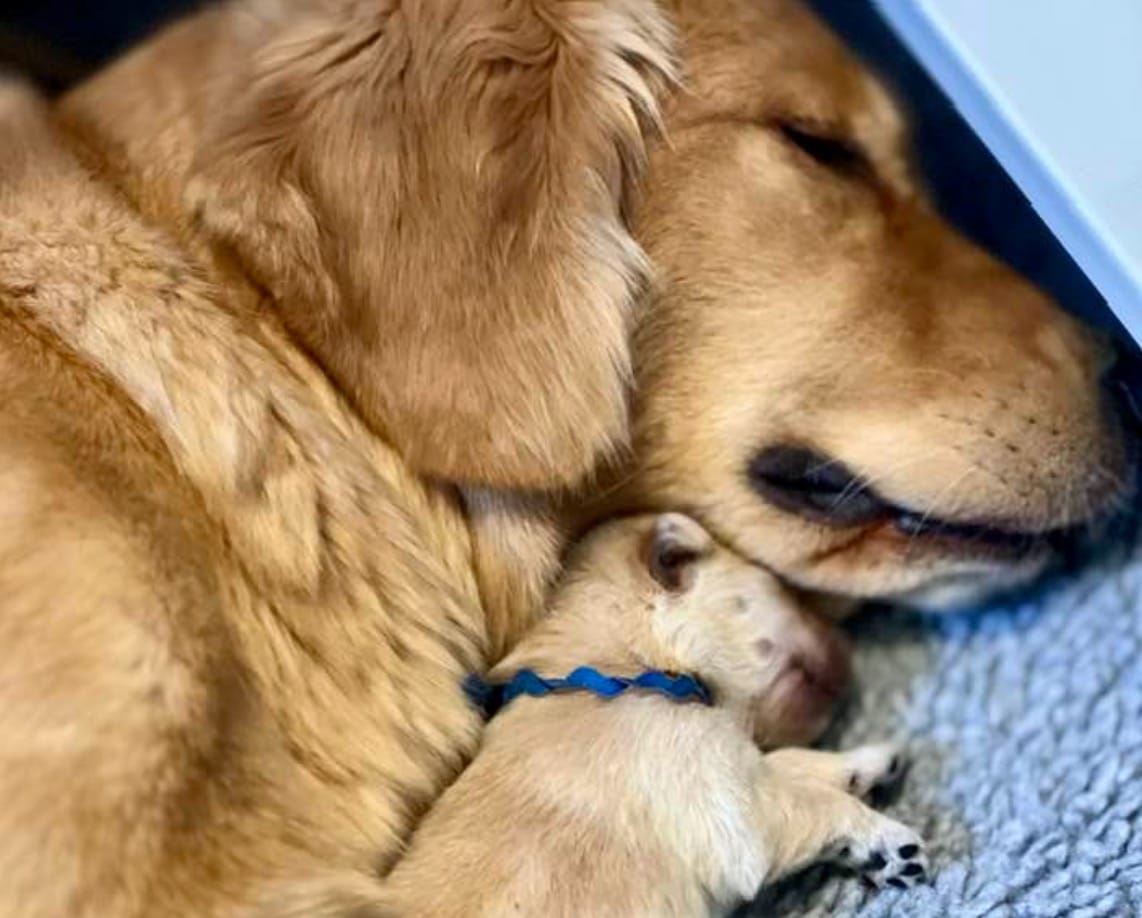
x: 676, y: 544
x: 434, y: 195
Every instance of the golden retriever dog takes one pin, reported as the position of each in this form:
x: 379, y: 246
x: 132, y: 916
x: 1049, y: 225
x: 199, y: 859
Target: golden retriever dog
x: 642, y: 804
x: 327, y: 323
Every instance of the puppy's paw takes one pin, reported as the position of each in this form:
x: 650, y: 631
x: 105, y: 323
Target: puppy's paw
x: 888, y: 853
x: 870, y: 767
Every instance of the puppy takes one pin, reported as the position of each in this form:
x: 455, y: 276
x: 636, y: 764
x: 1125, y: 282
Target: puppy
x: 646, y: 803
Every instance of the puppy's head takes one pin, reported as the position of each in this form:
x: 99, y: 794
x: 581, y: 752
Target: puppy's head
x: 831, y: 378
x: 657, y: 592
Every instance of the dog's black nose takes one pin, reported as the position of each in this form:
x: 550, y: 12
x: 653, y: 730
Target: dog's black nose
x: 1123, y: 380
x: 1122, y: 526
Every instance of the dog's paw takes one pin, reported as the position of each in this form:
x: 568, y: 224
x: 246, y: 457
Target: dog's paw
x: 870, y: 767
x: 887, y: 854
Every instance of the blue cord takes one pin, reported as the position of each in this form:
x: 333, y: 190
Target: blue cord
x: 493, y: 697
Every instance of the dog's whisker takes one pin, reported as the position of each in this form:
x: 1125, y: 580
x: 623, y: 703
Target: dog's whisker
x: 873, y: 482
x: 949, y: 489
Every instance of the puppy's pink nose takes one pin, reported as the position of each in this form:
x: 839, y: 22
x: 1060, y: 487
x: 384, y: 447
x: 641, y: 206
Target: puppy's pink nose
x: 822, y: 652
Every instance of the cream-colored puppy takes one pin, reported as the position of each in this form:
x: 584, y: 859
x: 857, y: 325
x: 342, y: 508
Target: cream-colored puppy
x: 646, y: 804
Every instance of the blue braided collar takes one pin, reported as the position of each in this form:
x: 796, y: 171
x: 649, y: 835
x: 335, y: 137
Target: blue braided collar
x: 493, y: 697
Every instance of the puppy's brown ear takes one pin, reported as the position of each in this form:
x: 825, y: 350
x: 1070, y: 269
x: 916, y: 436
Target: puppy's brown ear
x: 676, y: 544
x: 434, y: 196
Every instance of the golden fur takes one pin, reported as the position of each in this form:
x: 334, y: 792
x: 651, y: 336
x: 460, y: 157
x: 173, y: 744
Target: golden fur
x: 318, y: 324
x: 221, y: 663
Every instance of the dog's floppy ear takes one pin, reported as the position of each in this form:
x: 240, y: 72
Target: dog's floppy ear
x: 434, y: 196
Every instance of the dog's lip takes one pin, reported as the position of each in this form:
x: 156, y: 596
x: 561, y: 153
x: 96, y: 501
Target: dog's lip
x: 815, y: 487
x: 925, y: 525
x: 808, y: 483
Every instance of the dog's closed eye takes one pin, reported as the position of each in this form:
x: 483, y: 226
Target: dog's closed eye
x: 837, y: 154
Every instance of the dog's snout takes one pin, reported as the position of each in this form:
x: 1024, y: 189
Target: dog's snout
x: 1123, y: 381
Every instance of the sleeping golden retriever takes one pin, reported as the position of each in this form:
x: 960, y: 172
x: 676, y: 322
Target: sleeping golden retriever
x: 326, y: 322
